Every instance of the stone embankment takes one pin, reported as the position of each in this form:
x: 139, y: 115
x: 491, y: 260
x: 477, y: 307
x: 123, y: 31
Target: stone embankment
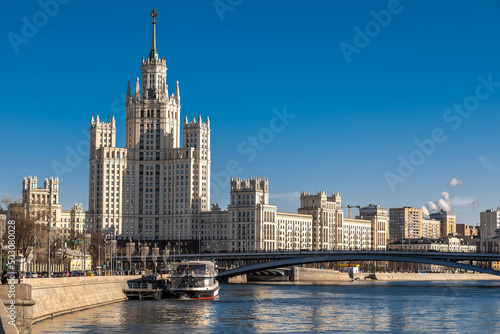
x: 435, y: 277
x: 41, y: 298
x: 56, y: 296
x: 300, y: 275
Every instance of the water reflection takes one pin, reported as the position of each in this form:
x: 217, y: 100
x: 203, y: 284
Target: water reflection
x: 268, y: 308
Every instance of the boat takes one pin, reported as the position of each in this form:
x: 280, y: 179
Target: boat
x: 193, y: 280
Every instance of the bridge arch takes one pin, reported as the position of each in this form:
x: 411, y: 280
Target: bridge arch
x: 349, y: 257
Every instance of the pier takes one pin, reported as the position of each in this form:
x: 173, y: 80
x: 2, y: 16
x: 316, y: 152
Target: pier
x: 143, y: 291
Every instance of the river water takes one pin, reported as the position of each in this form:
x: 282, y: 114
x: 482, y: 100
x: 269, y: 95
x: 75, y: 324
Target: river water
x: 434, y: 307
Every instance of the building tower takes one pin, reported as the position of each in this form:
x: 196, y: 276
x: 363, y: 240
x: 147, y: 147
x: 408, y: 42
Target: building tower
x: 448, y: 222
x: 252, y: 219
x: 327, y: 219
x: 379, y: 216
x: 405, y: 223
x: 154, y: 188
x: 40, y: 201
x: 106, y: 167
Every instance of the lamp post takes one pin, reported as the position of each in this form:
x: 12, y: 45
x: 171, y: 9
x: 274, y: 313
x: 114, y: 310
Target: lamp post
x: 34, y: 255
x: 155, y: 254
x: 105, y: 252
x: 48, y: 246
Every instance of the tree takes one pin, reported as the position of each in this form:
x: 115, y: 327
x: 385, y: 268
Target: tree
x: 97, y: 241
x: 25, y: 225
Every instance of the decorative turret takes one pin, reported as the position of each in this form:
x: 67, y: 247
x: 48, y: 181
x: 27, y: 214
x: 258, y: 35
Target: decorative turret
x: 128, y: 93
x: 177, y: 94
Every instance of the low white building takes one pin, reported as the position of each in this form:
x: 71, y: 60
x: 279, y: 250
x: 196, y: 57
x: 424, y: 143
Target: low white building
x: 448, y: 244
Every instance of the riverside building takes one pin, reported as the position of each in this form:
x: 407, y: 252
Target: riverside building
x: 405, y: 223
x: 490, y: 222
x: 448, y: 222
x: 379, y: 217
x: 44, y: 204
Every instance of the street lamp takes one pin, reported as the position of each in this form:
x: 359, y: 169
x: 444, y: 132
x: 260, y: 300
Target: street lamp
x: 48, y: 246
x: 155, y: 254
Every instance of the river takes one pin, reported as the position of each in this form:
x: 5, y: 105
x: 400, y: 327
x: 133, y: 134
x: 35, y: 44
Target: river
x: 434, y: 307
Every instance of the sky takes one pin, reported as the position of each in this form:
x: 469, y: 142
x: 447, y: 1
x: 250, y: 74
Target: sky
x: 387, y: 102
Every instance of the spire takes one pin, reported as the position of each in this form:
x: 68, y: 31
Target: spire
x: 208, y: 120
x: 199, y: 118
x: 153, y: 54
x: 97, y: 118
x: 194, y: 119
x: 113, y: 120
x: 92, y: 120
x: 177, y: 94
x: 137, y: 91
x: 186, y: 119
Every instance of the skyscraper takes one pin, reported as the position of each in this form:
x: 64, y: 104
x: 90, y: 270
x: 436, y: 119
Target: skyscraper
x: 154, y: 188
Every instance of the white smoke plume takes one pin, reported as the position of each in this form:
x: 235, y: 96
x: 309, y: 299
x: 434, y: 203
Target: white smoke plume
x: 425, y: 211
x: 456, y: 182
x: 443, y: 203
x: 431, y: 206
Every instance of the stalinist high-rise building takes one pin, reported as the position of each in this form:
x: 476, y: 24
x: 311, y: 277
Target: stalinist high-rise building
x: 155, y: 187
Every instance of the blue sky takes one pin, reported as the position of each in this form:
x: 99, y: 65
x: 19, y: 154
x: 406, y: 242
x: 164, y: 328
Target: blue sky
x: 352, y: 119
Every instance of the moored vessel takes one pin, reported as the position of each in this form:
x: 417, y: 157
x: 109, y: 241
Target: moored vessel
x: 193, y: 280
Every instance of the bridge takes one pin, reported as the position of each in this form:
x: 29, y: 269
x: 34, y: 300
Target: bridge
x: 450, y: 260
x: 255, y: 262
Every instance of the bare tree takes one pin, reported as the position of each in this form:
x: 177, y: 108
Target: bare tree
x: 97, y: 241
x: 25, y: 225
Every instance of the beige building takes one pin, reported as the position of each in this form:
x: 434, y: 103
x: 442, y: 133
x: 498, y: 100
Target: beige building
x: 467, y: 230
x: 327, y: 231
x: 379, y: 217
x: 448, y: 222
x: 405, y: 223
x: 252, y: 224
x: 357, y: 234
x: 294, y: 232
x: 41, y: 201
x: 431, y: 228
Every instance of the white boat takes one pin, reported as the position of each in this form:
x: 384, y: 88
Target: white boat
x: 193, y: 280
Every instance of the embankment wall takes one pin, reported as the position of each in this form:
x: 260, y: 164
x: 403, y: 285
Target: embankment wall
x: 56, y: 296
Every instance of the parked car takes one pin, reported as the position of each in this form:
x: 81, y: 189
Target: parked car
x: 76, y: 273
x: 12, y: 274
x: 31, y: 274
